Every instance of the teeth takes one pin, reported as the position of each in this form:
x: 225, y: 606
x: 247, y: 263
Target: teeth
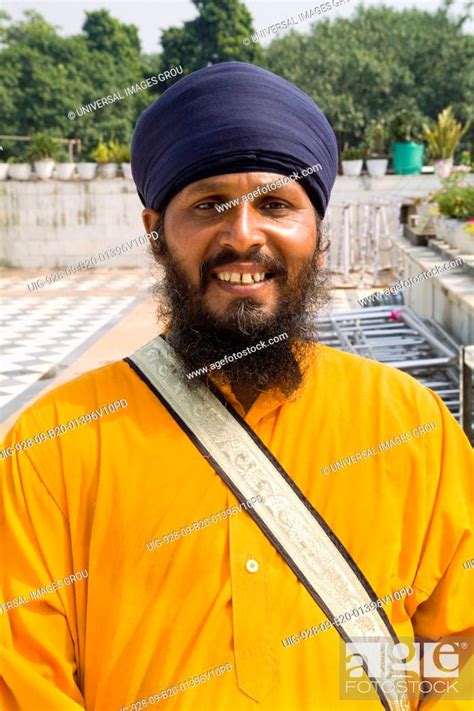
x: 237, y: 278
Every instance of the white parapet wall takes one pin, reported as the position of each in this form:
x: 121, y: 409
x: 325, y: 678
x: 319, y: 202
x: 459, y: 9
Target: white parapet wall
x: 54, y: 224
x: 447, y: 297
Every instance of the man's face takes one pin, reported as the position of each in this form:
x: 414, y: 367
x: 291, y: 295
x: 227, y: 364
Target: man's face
x: 239, y: 276
x: 262, y: 244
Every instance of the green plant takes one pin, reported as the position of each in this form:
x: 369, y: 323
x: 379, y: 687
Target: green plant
x: 20, y: 156
x: 101, y: 153
x: 106, y: 152
x: 406, y: 125
x: 123, y: 153
x: 63, y: 155
x: 352, y: 154
x: 42, y: 146
x: 376, y: 138
x: 466, y: 159
x: 445, y: 135
x: 456, y: 202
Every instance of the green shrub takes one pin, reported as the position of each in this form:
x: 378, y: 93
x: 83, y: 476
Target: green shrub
x: 352, y: 154
x: 123, y: 153
x: 376, y: 138
x: 110, y: 152
x: 406, y: 125
x: 456, y: 202
x: 42, y: 146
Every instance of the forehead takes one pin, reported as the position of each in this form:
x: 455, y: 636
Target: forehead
x: 219, y: 182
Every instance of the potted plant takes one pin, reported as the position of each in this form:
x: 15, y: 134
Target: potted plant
x: 376, y: 138
x: 466, y: 162
x: 455, y: 202
x: 17, y: 169
x: 123, y: 153
x: 406, y: 131
x: 86, y: 170
x: 42, y: 150
x: 352, y: 161
x: 106, y: 155
x: 443, y: 138
x: 64, y: 167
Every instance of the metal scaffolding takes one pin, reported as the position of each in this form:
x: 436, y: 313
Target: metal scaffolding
x: 417, y: 346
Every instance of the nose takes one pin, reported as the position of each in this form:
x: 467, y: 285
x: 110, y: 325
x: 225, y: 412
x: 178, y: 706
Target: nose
x: 241, y: 229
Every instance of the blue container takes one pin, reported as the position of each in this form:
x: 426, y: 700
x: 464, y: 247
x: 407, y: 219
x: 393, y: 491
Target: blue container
x: 407, y: 158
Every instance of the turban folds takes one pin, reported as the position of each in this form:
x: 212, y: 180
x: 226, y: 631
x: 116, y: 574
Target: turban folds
x: 231, y: 118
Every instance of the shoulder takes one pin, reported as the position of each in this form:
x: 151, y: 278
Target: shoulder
x: 362, y: 382
x: 104, y: 387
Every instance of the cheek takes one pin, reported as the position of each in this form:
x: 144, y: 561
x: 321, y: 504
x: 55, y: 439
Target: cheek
x: 297, y: 241
x: 298, y: 252
x: 187, y: 255
x: 188, y: 246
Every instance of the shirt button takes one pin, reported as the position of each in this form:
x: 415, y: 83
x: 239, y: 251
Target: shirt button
x: 251, y: 565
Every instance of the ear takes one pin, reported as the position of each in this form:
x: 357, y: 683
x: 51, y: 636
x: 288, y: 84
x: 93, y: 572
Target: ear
x: 321, y: 261
x: 150, y: 218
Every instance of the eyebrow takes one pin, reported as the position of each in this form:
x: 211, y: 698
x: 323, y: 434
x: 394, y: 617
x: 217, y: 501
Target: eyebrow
x: 209, y: 187
x: 217, y: 186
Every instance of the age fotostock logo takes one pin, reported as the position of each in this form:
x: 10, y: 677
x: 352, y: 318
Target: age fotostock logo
x: 408, y: 668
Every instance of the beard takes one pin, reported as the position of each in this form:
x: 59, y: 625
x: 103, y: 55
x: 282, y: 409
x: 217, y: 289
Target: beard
x: 200, y: 338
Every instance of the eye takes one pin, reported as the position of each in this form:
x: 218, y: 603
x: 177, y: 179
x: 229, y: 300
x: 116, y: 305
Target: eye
x: 275, y: 205
x: 207, y: 205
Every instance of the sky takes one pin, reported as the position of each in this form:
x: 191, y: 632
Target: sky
x: 154, y: 16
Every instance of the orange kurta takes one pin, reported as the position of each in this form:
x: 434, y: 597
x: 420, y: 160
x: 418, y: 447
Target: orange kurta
x: 144, y: 620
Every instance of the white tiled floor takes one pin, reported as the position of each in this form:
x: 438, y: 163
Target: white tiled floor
x: 37, y: 336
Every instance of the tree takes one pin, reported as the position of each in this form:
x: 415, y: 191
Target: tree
x: 215, y: 36
x: 380, y: 60
x: 46, y: 76
x: 105, y: 34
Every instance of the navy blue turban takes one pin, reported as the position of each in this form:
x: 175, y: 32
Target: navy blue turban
x: 231, y: 118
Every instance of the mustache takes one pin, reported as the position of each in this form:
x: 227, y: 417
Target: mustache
x: 228, y: 256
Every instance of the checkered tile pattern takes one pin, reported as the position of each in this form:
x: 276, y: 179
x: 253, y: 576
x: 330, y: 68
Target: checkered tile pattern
x: 37, y: 334
x: 89, y: 280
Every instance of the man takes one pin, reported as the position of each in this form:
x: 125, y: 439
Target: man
x: 198, y: 595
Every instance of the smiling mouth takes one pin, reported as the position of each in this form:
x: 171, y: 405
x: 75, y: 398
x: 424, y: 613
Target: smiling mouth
x: 244, y: 278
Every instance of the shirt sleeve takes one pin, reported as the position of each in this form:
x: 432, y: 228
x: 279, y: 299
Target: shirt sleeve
x: 39, y: 640
x: 444, y: 586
